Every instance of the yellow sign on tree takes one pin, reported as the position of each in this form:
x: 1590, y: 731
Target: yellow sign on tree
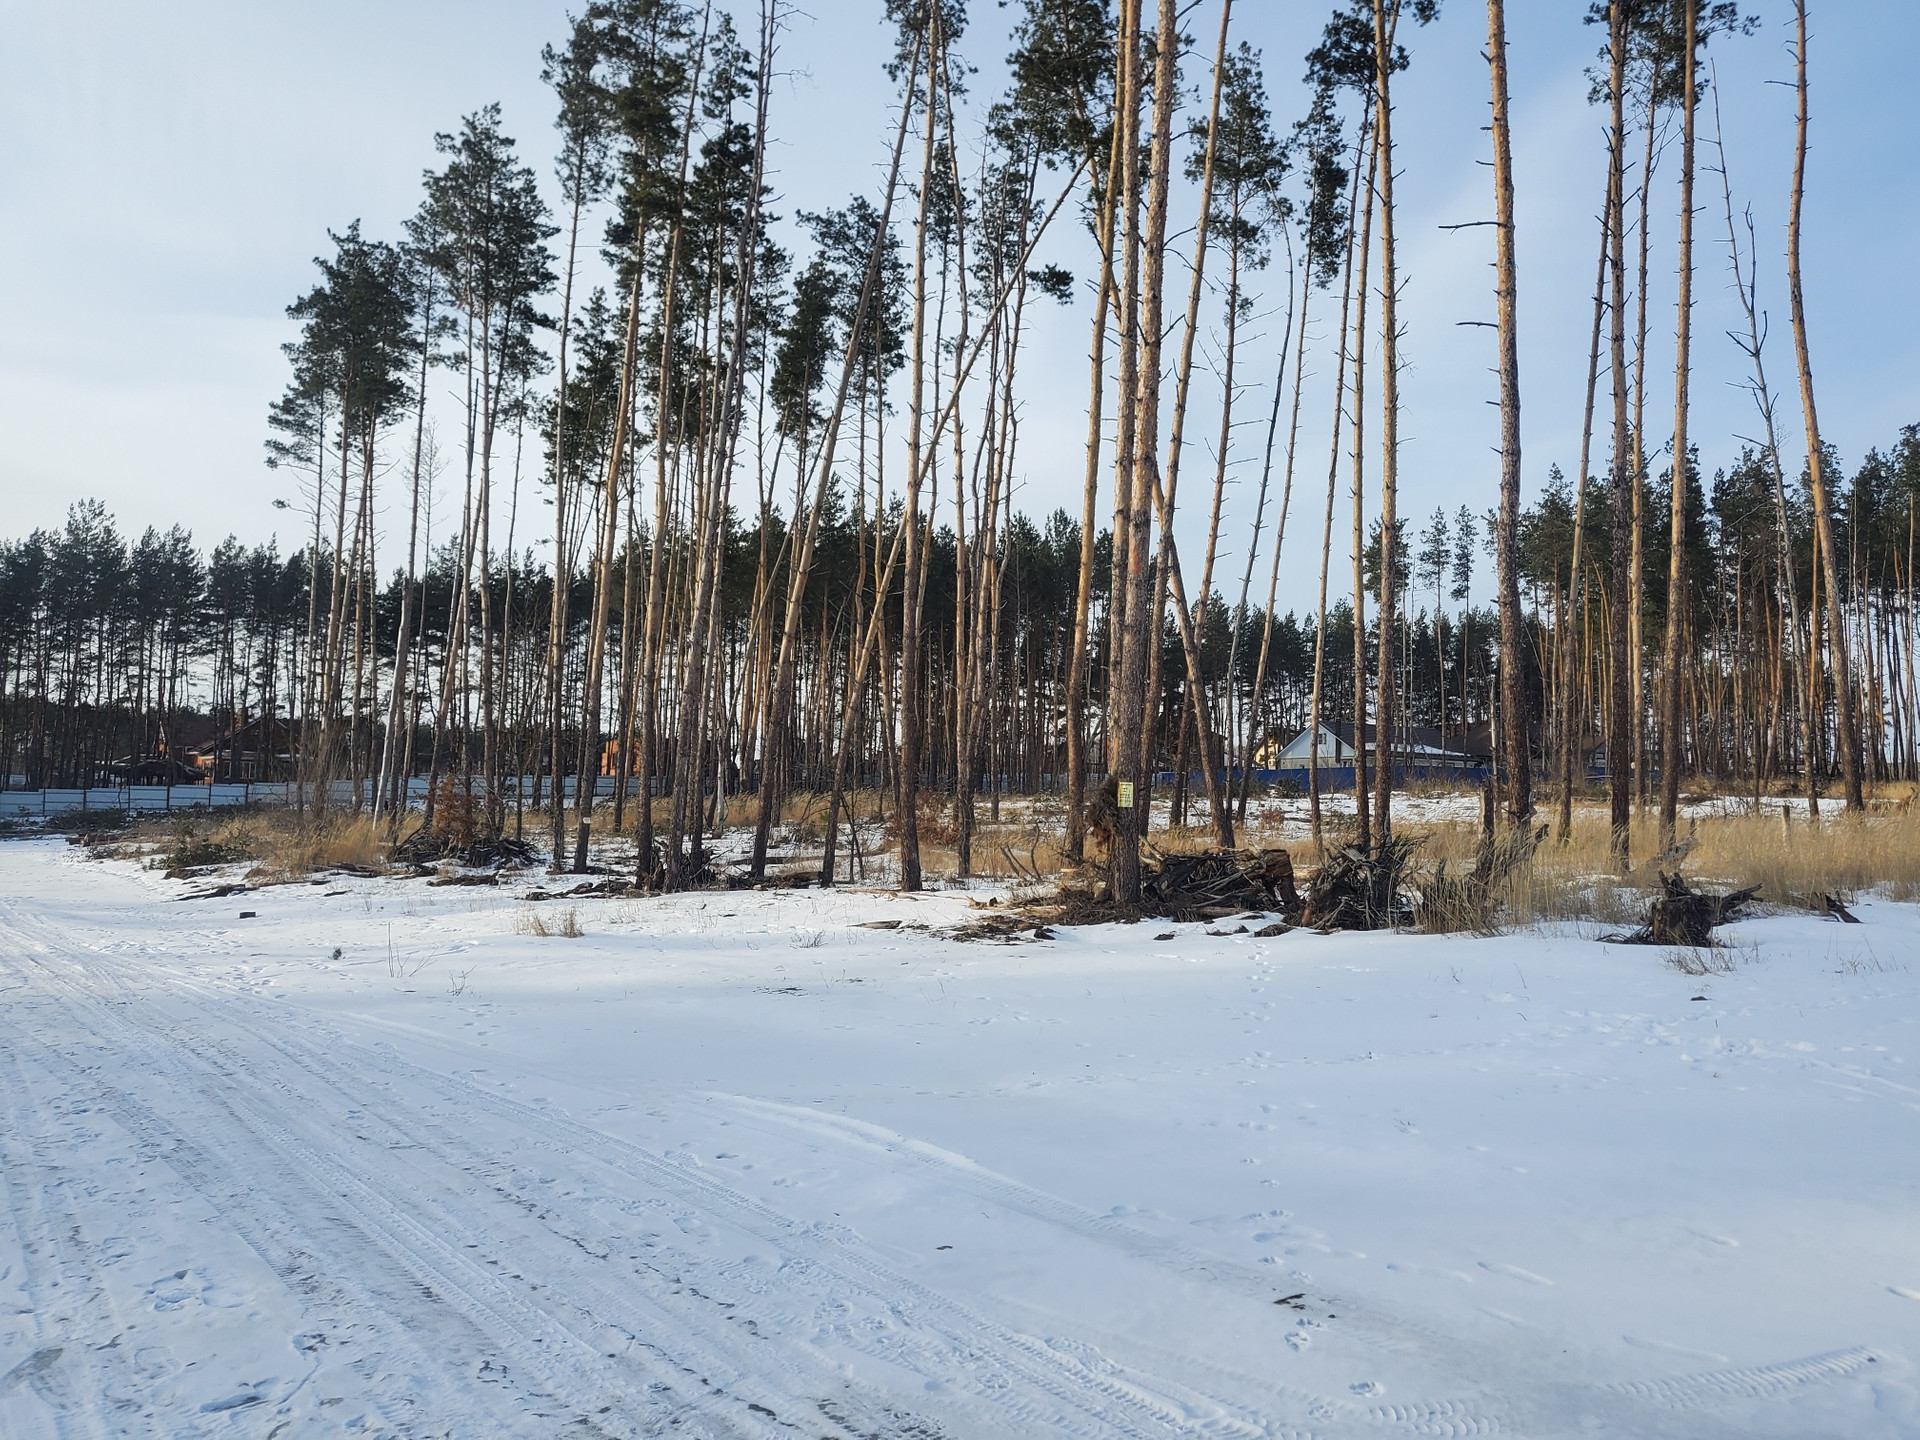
x: 1126, y: 795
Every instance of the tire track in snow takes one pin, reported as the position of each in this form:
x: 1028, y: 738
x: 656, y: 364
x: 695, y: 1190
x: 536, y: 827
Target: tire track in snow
x: 1011, y: 1373
x: 1399, y: 1336
x: 1063, y: 1377
x: 931, y: 1336
x: 819, y: 1252
x: 80, y: 1369
x: 409, y: 1341
x: 1750, y: 1382
x: 493, y: 1323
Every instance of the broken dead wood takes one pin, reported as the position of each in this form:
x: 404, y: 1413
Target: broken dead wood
x: 1202, y: 885
x: 1831, y: 905
x: 613, y: 888
x: 1216, y: 884
x: 218, y: 892
x: 428, y: 847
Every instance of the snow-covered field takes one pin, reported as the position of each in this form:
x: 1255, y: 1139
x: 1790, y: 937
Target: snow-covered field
x: 378, y: 1162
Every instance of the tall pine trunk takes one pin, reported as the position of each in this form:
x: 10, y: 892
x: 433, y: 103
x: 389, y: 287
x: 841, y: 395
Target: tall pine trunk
x: 1512, y: 651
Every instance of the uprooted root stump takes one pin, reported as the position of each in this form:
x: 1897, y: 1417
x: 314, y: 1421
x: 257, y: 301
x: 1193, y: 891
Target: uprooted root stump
x: 1361, y: 889
x: 1472, y: 901
x: 1688, y: 917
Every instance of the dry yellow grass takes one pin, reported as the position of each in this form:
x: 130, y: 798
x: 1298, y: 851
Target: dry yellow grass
x: 280, y: 843
x: 1876, y: 854
x: 283, y: 844
x: 531, y: 921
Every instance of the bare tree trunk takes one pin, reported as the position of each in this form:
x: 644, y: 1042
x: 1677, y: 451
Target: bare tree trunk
x: 1299, y: 339
x: 1083, y: 591
x: 403, y: 641
x: 1386, y: 14
x: 1621, y: 718
x: 910, y: 716
x: 1170, y: 563
x: 1848, y: 737
x: 780, y: 696
x: 562, y: 560
x: 1363, y: 829
x: 1670, y: 736
x: 1572, y: 719
x: 1512, y: 645
x: 1362, y: 148
x: 603, y: 580
x: 1127, y: 666
x: 1642, y: 771
x: 709, y: 542
x: 1140, y: 635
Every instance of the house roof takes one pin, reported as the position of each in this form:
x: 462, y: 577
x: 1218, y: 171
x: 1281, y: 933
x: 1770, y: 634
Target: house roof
x: 1417, y: 739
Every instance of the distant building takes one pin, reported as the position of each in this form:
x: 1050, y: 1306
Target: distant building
x: 259, y: 749
x: 1414, y: 747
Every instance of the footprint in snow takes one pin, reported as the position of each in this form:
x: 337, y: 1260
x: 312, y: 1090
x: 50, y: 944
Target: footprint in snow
x: 1368, y: 1388
x: 24, y: 1373
x: 1726, y: 1240
x: 1514, y: 1272
x: 233, y: 1402
x: 1403, y: 1268
x: 1663, y: 1347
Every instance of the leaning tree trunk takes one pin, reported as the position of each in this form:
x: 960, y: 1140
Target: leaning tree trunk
x: 1083, y: 590
x: 1571, y: 725
x: 1362, y: 827
x: 1385, y: 21
x: 1170, y: 562
x: 910, y: 712
x: 603, y: 579
x: 1673, y: 680
x: 1298, y: 340
x: 1848, y: 737
x: 562, y: 561
x: 1362, y: 147
x: 1621, y: 720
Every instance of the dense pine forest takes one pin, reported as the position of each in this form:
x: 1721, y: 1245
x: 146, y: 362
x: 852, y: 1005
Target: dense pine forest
x: 744, y: 521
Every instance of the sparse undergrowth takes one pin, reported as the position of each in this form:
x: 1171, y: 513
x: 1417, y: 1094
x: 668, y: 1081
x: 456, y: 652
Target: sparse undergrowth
x: 1455, y: 882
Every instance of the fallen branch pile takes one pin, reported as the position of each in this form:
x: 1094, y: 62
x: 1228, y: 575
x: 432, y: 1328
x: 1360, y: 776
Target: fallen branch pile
x: 614, y: 887
x: 1361, y: 889
x: 1213, y: 884
x: 424, y: 848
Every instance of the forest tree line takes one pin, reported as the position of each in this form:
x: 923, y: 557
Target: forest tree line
x: 683, y: 549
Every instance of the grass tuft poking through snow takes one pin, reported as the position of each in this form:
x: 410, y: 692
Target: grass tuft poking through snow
x: 530, y: 920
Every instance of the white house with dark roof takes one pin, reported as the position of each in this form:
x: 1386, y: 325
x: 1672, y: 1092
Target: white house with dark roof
x: 1417, y: 747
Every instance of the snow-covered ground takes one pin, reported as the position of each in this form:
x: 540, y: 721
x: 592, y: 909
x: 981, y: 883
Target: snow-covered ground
x: 378, y: 1162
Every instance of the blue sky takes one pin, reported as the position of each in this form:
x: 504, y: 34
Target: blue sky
x: 169, y: 172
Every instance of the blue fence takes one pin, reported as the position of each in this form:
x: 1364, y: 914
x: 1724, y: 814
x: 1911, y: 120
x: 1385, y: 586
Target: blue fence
x: 1340, y: 777
x: 164, y: 799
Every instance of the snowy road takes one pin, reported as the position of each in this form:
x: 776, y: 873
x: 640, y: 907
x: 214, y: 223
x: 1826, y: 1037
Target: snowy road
x: 758, y: 1178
